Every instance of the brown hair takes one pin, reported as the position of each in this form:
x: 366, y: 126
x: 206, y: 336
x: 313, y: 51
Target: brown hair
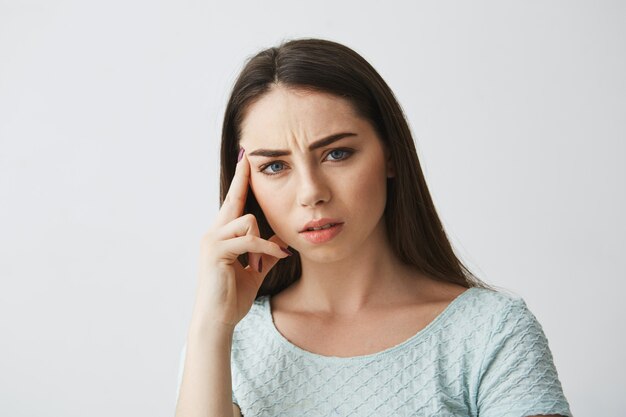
x: 413, y: 226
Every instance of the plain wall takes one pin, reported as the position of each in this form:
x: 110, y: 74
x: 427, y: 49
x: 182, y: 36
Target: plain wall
x: 110, y: 119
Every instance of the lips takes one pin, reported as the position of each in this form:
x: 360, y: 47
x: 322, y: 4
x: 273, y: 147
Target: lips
x: 322, y: 236
x: 319, y: 223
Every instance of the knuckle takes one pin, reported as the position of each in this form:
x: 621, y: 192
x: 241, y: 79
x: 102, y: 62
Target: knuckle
x: 250, y: 218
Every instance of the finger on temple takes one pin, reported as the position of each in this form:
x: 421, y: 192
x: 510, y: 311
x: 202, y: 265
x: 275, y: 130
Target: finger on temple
x: 235, y: 199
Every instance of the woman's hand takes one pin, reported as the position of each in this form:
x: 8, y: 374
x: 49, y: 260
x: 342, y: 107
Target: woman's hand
x: 226, y: 290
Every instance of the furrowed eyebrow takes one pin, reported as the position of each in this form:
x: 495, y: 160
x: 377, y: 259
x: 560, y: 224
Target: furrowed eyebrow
x: 317, y: 144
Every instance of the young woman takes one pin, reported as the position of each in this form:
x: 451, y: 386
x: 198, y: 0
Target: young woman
x: 352, y: 301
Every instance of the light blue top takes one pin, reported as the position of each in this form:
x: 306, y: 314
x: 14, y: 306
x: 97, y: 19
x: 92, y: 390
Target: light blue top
x: 485, y: 355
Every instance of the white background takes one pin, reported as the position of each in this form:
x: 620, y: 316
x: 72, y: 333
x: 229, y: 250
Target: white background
x: 110, y: 118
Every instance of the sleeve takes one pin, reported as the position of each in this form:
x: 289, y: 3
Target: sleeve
x: 181, y: 365
x: 518, y: 377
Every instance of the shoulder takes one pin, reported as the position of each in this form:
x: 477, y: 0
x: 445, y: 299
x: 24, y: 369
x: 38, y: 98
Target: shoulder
x: 485, y: 313
x: 512, y: 333
x: 517, y: 371
x: 491, y: 303
x: 473, y: 301
x: 495, y: 298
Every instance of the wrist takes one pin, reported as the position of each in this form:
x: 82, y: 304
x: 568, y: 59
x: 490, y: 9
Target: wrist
x: 200, y: 329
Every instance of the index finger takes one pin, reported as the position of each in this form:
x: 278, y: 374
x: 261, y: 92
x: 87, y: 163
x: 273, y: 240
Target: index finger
x: 235, y: 199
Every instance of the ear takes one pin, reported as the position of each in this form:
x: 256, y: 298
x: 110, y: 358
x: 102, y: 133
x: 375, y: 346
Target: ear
x: 391, y: 171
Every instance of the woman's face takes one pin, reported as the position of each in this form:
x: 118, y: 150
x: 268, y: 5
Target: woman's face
x: 344, y: 179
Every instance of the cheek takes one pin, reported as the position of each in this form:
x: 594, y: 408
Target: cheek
x: 367, y: 192
x: 261, y: 192
x: 369, y: 181
x: 269, y: 200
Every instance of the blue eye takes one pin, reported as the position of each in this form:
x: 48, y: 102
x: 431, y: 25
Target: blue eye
x: 341, y: 151
x: 338, y: 155
x: 272, y: 164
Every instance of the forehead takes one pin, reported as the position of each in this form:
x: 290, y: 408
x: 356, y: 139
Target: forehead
x: 285, y: 112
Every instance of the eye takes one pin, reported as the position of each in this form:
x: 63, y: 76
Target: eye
x: 338, y: 155
x: 271, y: 164
x: 341, y: 152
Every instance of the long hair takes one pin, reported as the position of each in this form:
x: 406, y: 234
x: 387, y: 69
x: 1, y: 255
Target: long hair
x: 413, y: 227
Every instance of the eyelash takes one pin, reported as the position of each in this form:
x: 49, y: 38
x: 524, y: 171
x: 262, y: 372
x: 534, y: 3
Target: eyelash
x: 348, y: 153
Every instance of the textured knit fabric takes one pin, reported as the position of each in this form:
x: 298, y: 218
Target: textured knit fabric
x: 485, y: 355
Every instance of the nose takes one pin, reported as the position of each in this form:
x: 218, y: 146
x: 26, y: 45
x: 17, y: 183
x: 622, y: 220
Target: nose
x: 312, y: 188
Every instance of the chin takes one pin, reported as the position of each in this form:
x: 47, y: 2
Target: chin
x: 322, y: 254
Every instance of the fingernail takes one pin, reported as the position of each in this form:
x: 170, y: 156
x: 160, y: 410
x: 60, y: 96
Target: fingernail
x: 260, y: 265
x: 287, y: 251
x: 240, y: 154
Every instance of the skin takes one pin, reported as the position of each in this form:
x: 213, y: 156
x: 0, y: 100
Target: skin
x: 357, y: 271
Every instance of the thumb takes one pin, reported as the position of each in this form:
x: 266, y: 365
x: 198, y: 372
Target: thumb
x: 269, y: 261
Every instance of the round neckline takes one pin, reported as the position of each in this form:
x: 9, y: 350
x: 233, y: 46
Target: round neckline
x: 430, y: 327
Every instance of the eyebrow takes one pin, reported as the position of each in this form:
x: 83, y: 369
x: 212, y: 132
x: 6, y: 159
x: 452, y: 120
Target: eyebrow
x: 317, y: 144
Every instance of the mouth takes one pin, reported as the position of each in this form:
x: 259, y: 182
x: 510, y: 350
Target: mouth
x: 320, y: 224
x: 321, y: 234
x: 326, y: 226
